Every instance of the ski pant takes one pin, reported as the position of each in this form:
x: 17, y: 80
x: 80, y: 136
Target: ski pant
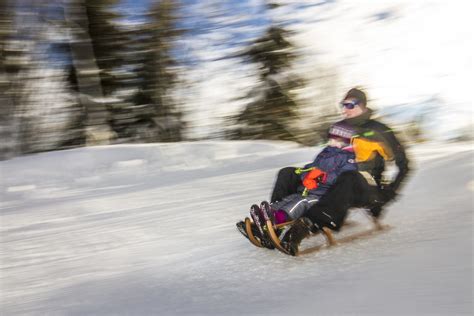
x: 287, y: 183
x: 295, y: 205
x: 351, y: 189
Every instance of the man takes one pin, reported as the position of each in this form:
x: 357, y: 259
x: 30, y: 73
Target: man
x: 374, y: 144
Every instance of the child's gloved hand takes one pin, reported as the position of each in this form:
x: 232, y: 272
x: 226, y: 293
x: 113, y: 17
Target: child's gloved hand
x: 313, y: 178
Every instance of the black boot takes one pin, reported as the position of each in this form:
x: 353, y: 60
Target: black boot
x: 301, y: 229
x: 241, y: 228
x: 375, y: 211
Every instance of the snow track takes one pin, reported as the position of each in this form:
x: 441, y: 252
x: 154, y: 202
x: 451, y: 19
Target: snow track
x: 143, y: 236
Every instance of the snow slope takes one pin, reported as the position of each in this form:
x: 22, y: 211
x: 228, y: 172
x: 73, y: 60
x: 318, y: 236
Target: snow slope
x: 150, y: 230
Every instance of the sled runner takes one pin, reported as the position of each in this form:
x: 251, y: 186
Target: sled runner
x: 250, y: 234
x: 260, y: 229
x: 246, y: 228
x: 330, y: 237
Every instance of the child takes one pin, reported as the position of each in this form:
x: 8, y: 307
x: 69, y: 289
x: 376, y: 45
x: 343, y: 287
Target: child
x: 318, y: 176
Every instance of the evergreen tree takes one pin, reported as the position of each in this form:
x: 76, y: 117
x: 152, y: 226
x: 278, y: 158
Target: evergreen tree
x: 115, y: 52
x: 272, y: 115
x: 107, y: 41
x: 145, y: 74
x: 159, y: 68
x: 89, y: 82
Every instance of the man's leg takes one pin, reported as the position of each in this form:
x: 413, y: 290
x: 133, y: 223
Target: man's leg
x: 378, y: 202
x: 350, y: 190
x: 287, y: 183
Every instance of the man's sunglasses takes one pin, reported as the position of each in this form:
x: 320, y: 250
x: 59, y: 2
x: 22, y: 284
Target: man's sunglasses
x: 350, y: 104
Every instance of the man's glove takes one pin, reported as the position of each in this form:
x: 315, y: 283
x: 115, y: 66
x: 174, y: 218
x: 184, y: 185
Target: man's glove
x: 387, y: 193
x: 375, y: 211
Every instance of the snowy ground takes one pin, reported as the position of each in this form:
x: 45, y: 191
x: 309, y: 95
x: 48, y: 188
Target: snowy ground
x: 150, y: 230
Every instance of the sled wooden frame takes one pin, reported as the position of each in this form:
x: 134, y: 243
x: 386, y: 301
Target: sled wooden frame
x: 254, y: 240
x: 250, y: 235
x: 331, y: 241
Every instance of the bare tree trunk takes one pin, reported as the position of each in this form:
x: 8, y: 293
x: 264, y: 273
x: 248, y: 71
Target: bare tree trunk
x: 91, y: 97
x: 8, y: 126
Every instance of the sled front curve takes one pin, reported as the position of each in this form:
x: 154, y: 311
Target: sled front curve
x: 248, y: 229
x: 274, y: 238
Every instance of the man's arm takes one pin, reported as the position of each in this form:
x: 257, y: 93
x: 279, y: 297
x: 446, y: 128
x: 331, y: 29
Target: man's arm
x: 399, y: 154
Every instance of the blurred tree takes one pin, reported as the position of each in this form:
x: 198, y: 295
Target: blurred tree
x: 107, y: 41
x: 135, y: 58
x: 273, y: 113
x: 320, y: 106
x: 159, y: 68
x: 465, y: 133
x: 112, y: 43
x: 89, y: 83
x: 7, y: 118
x: 41, y: 110
x: 51, y: 116
x: 414, y: 130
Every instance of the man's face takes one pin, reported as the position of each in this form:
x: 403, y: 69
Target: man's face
x: 352, y: 108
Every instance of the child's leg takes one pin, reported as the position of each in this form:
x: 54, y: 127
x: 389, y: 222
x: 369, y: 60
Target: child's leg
x: 300, y: 205
x: 287, y: 183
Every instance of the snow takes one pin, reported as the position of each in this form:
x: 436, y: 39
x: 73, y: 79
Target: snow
x: 150, y: 230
